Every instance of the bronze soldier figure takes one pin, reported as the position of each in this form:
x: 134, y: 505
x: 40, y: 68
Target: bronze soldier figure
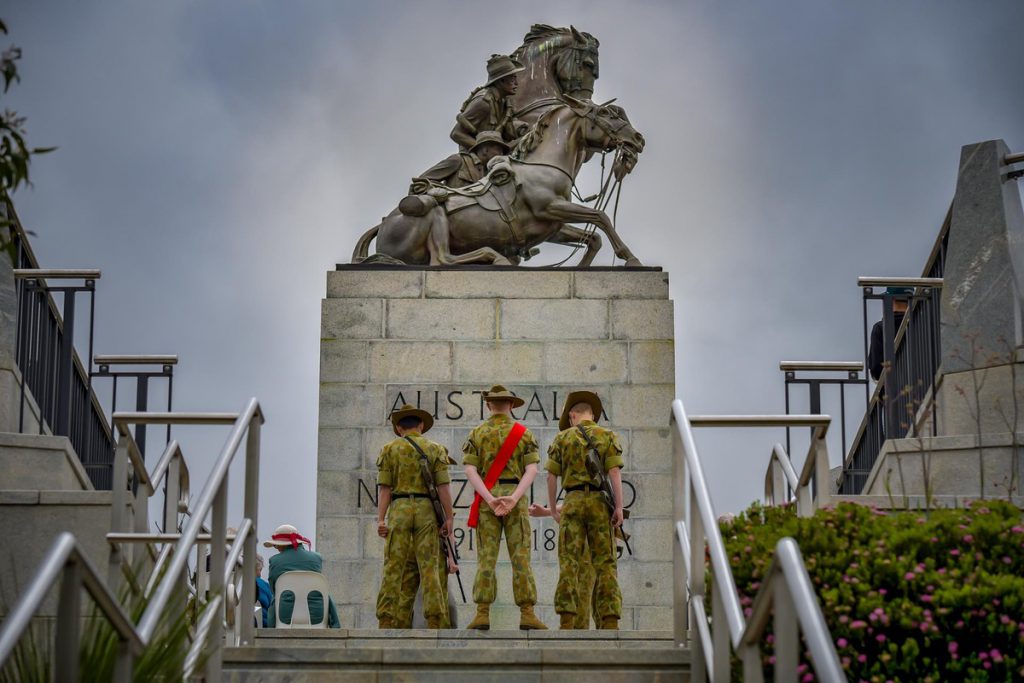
x: 490, y: 107
x: 462, y: 168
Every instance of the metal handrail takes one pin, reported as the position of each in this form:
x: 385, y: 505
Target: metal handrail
x: 213, y: 501
x: 65, y: 560
x: 821, y: 365
x: 57, y: 274
x: 875, y: 281
x: 136, y: 359
x: 697, y: 527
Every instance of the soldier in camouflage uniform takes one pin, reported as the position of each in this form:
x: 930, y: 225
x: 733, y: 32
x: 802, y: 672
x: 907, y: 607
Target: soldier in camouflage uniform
x: 410, y: 604
x: 584, y: 518
x: 490, y: 106
x: 411, y: 529
x: 504, y: 509
x: 586, y: 579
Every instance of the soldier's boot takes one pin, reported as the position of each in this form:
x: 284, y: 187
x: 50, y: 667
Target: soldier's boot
x: 567, y: 622
x: 528, y: 621
x: 610, y: 624
x: 434, y: 622
x: 385, y: 622
x: 482, y: 620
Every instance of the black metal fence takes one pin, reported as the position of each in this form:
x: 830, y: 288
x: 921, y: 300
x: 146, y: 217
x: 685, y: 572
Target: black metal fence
x: 902, y: 403
x: 52, y: 373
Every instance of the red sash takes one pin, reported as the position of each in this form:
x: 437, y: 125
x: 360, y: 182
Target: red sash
x: 493, y: 474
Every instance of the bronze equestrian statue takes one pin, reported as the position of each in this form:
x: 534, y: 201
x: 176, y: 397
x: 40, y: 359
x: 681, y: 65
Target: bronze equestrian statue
x: 538, y: 100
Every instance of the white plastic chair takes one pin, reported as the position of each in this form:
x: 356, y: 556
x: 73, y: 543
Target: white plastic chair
x: 301, y: 584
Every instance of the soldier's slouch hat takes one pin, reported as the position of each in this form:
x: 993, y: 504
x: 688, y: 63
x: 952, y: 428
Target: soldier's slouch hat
x: 499, y: 66
x: 410, y: 411
x: 500, y: 393
x: 588, y: 397
x: 489, y: 136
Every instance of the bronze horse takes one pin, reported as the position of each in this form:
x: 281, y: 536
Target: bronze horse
x: 545, y: 164
x: 557, y: 62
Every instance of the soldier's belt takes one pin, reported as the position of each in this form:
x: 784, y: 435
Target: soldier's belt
x: 395, y: 496
x: 582, y: 487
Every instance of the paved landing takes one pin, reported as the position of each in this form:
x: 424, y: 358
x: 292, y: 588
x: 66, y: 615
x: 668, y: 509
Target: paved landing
x: 456, y: 656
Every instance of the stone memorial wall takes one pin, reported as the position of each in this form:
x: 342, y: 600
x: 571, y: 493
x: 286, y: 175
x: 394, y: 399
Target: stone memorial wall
x: 437, y: 338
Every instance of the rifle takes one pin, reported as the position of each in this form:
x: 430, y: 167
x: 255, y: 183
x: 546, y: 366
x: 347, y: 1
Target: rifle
x: 447, y: 547
x: 595, y: 468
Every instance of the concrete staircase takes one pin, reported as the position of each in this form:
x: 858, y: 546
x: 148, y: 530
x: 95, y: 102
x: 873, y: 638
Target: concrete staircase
x: 306, y: 655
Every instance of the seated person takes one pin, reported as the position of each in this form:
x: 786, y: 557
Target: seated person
x: 292, y: 557
x: 264, y: 594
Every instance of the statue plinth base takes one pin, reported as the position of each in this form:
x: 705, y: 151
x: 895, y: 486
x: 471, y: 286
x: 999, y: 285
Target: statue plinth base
x: 437, y: 338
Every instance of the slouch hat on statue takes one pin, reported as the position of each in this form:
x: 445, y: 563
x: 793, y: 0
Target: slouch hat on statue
x: 499, y: 66
x: 588, y: 397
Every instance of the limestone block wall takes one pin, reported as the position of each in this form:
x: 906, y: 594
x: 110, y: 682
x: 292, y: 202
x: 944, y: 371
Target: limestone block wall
x: 438, y: 338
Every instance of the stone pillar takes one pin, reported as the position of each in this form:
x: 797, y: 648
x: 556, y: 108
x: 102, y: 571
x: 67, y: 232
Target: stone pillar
x: 438, y: 338
x: 981, y: 341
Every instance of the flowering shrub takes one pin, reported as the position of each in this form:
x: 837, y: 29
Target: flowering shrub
x: 908, y: 596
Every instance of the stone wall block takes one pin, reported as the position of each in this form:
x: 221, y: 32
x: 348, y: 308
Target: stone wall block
x: 652, y: 362
x: 410, y: 361
x: 340, y: 449
x: 337, y: 493
x: 642, y: 405
x: 351, y: 318
x: 447, y: 319
x: 633, y: 319
x: 351, y: 405
x: 340, y: 537
x: 554, y: 319
x: 344, y: 361
x: 491, y: 362
x: 585, y: 362
x: 609, y: 285
x: 525, y: 284
x: 349, y: 284
x: 650, y: 450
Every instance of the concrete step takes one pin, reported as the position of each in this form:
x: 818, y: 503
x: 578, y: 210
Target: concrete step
x: 40, y: 462
x: 456, y: 655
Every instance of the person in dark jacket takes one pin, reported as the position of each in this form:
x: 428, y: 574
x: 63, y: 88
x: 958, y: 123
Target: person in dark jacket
x: 876, y: 351
x: 291, y: 557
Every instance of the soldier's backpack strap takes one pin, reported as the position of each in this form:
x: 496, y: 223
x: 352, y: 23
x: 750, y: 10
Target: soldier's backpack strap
x: 494, y: 473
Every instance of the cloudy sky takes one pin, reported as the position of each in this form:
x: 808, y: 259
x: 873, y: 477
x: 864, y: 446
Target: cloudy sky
x: 215, y: 159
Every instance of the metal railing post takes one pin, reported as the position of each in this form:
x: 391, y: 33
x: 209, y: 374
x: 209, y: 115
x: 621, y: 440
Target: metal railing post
x: 218, y: 547
x: 721, y: 638
x: 69, y: 624
x: 118, y: 509
x: 695, y: 575
x: 246, y: 629
x: 787, y: 637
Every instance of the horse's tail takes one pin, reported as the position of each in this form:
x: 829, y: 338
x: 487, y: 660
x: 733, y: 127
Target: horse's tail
x: 362, y: 248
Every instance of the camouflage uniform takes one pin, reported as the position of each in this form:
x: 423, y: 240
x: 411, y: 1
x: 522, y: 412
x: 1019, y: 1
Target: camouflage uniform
x: 412, y: 541
x: 586, y: 521
x: 479, y: 451
x: 407, y: 597
x: 587, y: 580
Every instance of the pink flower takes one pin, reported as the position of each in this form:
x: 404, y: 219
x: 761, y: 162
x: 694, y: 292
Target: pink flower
x: 968, y: 538
x: 882, y: 591
x: 909, y: 576
x: 953, y: 647
x: 880, y: 637
x: 982, y: 655
x: 1005, y: 619
x: 842, y: 642
x: 996, y: 655
x: 1017, y: 529
x: 858, y: 624
x: 1007, y: 559
x: 808, y: 677
x: 862, y: 658
x: 926, y: 598
x: 954, y: 552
